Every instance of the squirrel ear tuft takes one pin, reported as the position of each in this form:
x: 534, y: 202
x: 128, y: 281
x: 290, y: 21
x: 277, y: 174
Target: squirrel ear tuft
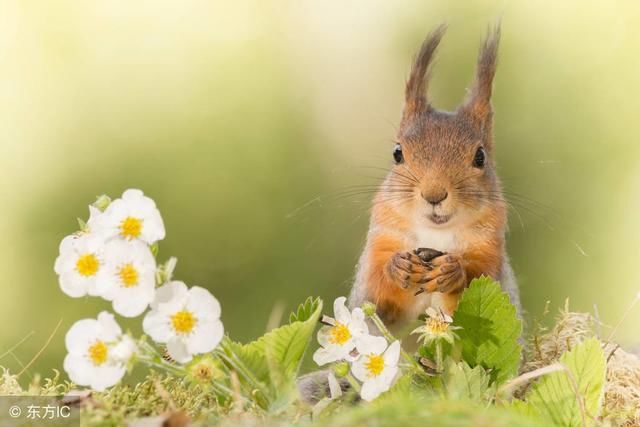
x: 415, y: 91
x: 478, y: 101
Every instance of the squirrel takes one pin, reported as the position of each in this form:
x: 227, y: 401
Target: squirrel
x: 439, y: 218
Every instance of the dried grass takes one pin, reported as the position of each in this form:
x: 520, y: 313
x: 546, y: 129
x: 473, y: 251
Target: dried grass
x: 621, y: 404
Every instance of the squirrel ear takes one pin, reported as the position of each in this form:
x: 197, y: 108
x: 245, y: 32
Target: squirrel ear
x: 478, y: 101
x: 415, y: 91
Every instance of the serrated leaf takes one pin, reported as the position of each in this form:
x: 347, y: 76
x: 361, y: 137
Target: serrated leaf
x: 274, y: 359
x: 460, y: 381
x: 305, y: 310
x: 554, y: 396
x: 490, y: 329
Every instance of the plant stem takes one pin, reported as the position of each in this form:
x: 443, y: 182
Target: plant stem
x: 439, y: 361
x: 382, y: 328
x: 353, y: 382
x: 178, y: 371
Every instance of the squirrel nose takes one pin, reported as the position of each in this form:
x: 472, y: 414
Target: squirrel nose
x: 435, y: 197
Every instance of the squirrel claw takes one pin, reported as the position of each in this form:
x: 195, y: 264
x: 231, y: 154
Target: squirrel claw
x: 446, y: 276
x: 407, y: 270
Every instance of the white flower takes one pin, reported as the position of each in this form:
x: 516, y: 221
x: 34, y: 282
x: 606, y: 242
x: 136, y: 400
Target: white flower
x: 129, y: 279
x: 377, y: 369
x: 80, y: 264
x: 134, y: 216
x: 90, y: 344
x: 187, y: 320
x: 344, y: 334
x: 437, y: 325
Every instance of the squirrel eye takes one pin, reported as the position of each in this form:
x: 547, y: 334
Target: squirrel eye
x: 397, y: 154
x: 479, y: 158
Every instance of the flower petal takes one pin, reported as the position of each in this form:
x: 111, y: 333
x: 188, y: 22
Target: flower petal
x: 153, y: 229
x: 392, y: 354
x: 370, y: 344
x: 81, y: 335
x: 202, y: 303
x: 340, y: 310
x: 170, y: 297
x: 358, y: 324
x: 370, y: 390
x: 127, y: 306
x: 158, y: 326
x: 177, y: 349
x: 110, y: 330
x: 106, y: 376
x: 132, y: 195
x: 322, y: 356
x: 359, y: 370
x: 205, y: 337
x: 72, y: 285
x: 78, y: 368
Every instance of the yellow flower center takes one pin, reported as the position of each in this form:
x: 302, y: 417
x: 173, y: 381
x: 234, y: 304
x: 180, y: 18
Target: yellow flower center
x: 98, y: 353
x: 436, y: 326
x: 339, y: 334
x: 183, y: 322
x: 203, y: 372
x: 130, y: 227
x: 374, y: 364
x: 128, y: 275
x: 87, y: 265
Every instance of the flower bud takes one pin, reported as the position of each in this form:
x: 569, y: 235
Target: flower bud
x: 102, y: 202
x: 369, y: 309
x: 204, y: 370
x: 341, y: 369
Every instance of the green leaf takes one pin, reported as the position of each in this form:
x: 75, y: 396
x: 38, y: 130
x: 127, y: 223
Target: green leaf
x: 554, y: 395
x: 460, y: 381
x: 490, y: 329
x: 285, y: 347
x: 271, y: 363
x: 305, y: 310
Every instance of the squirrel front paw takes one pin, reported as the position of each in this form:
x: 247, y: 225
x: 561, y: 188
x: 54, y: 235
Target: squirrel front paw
x: 408, y: 270
x: 447, y: 275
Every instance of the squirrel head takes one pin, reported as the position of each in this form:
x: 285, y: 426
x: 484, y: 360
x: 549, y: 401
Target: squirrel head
x: 447, y: 158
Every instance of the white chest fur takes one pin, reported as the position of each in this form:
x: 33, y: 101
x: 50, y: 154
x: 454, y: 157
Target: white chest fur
x: 441, y: 239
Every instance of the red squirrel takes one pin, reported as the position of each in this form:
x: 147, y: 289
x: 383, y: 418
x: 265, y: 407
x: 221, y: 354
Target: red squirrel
x: 442, y: 197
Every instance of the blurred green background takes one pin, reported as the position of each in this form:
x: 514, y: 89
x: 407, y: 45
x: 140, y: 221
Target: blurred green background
x: 235, y: 115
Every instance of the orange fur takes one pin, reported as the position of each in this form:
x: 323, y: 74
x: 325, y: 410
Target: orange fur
x: 483, y: 255
x: 437, y: 196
